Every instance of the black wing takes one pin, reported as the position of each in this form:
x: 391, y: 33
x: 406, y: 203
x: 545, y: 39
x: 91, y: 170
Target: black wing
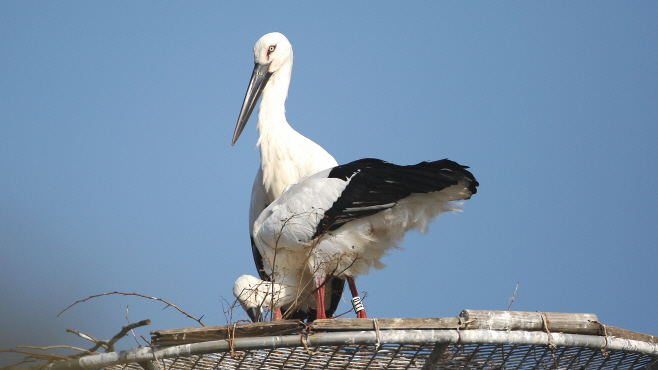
x: 258, y: 260
x: 375, y: 185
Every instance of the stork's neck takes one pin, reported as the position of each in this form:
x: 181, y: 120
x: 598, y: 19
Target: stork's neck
x: 285, y: 154
x: 272, y: 111
x: 277, y: 140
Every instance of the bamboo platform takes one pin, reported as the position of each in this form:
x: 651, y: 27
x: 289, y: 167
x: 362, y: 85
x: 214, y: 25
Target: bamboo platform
x: 571, y: 323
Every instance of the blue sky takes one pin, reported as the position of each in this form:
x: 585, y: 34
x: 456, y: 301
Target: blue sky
x: 117, y: 173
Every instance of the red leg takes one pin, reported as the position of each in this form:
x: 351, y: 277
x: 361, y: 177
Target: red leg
x: 355, y: 293
x: 277, y: 314
x: 320, y: 298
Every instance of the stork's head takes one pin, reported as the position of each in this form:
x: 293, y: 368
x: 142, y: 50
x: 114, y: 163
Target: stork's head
x: 255, y: 294
x: 272, y: 52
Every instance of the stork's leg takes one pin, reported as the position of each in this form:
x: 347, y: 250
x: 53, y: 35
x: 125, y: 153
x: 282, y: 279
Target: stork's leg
x: 360, y: 314
x: 277, y: 314
x: 319, y: 280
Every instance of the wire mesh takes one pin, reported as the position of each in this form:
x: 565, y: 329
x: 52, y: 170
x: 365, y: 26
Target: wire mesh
x: 414, y: 356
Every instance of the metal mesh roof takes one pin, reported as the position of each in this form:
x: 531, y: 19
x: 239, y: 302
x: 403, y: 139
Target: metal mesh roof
x: 401, y: 356
x: 490, y: 340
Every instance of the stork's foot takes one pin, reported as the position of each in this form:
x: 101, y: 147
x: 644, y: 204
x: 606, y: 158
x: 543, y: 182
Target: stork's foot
x: 277, y: 315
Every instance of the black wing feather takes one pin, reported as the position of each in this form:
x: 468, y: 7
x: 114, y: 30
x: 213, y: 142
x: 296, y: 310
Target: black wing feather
x: 258, y: 260
x: 376, y: 185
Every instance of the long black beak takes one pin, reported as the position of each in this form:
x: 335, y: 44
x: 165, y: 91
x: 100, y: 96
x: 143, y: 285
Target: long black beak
x: 254, y: 314
x: 258, y: 81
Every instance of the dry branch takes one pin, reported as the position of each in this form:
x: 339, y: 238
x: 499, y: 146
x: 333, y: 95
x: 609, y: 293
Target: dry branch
x: 513, y: 295
x: 35, y: 354
x: 133, y: 333
x: 124, y: 331
x: 87, y: 337
x: 137, y: 295
x: 145, y: 340
x: 48, y: 359
x: 32, y: 357
x: 53, y: 347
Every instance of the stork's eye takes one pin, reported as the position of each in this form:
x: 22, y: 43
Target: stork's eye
x: 270, y: 49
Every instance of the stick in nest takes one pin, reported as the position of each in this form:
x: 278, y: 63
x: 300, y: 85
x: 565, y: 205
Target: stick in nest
x: 124, y: 331
x: 33, y: 357
x: 138, y: 295
x: 513, y: 295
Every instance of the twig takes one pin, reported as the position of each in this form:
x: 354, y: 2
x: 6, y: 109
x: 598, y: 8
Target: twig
x: 221, y: 301
x: 133, y: 333
x: 513, y: 295
x: 33, y: 357
x: 52, y: 347
x: 87, y: 337
x: 27, y: 360
x: 35, y: 354
x: 125, y: 331
x: 145, y: 340
x: 138, y: 295
x: 50, y: 358
x: 108, y: 344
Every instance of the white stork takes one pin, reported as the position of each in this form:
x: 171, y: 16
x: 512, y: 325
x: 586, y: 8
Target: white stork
x: 286, y: 155
x: 340, y: 221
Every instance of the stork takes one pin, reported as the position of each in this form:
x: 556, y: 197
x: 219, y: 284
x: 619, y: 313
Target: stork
x: 340, y: 222
x: 286, y: 155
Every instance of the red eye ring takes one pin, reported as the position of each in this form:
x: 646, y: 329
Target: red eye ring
x: 270, y: 49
